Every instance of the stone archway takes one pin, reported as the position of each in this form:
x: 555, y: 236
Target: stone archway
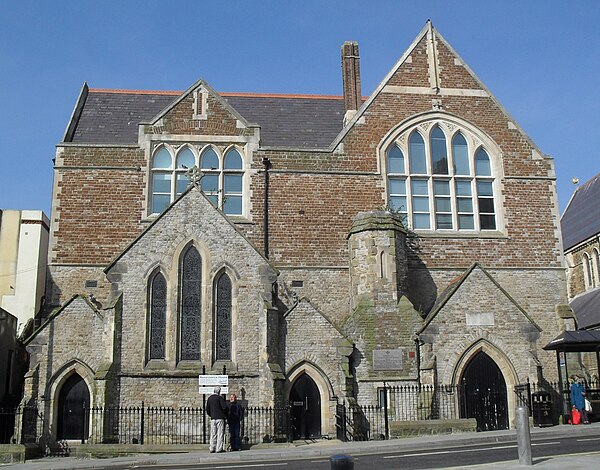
x: 312, y: 392
x: 305, y: 401
x: 73, y: 409
x: 483, y: 393
x: 501, y: 380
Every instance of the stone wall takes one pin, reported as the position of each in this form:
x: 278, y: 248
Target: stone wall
x: 193, y: 220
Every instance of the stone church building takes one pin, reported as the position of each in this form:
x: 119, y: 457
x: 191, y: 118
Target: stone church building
x: 316, y: 247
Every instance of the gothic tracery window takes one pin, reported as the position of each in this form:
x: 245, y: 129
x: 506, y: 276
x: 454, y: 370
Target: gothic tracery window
x: 440, y: 178
x: 223, y: 319
x: 190, y: 304
x: 222, y: 181
x: 158, y: 316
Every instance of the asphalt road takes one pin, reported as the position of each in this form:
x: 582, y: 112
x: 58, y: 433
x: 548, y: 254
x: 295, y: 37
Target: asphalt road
x: 459, y: 456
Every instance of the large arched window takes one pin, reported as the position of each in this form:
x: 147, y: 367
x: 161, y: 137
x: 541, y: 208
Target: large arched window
x: 190, y: 305
x: 440, y: 176
x: 158, y: 316
x: 222, y: 181
x: 223, y: 311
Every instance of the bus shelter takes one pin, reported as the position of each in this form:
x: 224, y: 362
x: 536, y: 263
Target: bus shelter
x: 577, y: 354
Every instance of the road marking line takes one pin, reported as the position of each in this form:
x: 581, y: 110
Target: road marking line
x: 546, y: 443
x: 589, y: 439
x: 231, y: 465
x: 253, y: 465
x: 449, y: 452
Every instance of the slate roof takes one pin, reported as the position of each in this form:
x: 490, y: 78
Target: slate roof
x: 587, y: 309
x: 297, y: 122
x: 581, y: 219
x: 111, y: 117
x: 290, y: 121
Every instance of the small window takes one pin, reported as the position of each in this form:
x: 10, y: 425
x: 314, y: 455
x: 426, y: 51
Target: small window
x: 588, y: 269
x: 460, y: 154
x: 439, y: 153
x: 482, y: 163
x: 397, y: 190
x: 443, y: 205
x: 395, y: 160
x: 209, y: 160
x: 233, y: 182
x: 418, y: 162
x: 420, y: 204
x: 485, y: 199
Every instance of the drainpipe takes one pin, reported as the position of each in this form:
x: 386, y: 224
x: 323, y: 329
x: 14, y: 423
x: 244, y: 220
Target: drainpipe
x: 267, y: 163
x: 418, y: 353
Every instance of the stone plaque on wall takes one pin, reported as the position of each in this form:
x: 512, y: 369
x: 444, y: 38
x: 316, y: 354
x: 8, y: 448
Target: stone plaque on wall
x: 387, y: 359
x: 480, y: 319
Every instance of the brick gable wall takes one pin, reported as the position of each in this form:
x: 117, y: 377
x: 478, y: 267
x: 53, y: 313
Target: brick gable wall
x: 100, y: 194
x: 314, y: 195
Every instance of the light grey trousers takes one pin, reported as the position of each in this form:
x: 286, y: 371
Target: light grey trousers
x: 217, y: 435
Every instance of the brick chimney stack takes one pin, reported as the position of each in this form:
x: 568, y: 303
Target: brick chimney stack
x: 351, y: 78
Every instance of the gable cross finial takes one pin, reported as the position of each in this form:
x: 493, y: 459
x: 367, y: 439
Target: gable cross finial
x: 194, y: 175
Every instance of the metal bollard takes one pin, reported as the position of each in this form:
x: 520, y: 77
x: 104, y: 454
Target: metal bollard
x: 523, y: 436
x: 341, y: 462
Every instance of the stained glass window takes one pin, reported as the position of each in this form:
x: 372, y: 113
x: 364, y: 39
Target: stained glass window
x: 223, y: 318
x: 190, y: 305
x: 158, y: 316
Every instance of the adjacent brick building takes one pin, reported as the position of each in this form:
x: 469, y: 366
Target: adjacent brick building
x: 581, y: 237
x: 313, y: 245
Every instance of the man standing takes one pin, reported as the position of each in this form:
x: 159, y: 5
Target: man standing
x: 216, y: 408
x: 234, y: 418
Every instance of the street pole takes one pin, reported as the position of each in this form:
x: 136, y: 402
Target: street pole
x: 523, y: 435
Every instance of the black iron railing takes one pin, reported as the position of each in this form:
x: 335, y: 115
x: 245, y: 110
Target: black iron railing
x: 26, y: 421
x: 166, y: 425
x: 142, y: 424
x: 397, y: 403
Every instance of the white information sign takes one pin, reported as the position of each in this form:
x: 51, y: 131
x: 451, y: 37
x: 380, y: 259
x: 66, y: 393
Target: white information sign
x: 209, y: 382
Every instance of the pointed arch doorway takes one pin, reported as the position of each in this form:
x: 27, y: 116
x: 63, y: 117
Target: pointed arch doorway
x: 305, y: 401
x: 483, y: 393
x: 73, y: 402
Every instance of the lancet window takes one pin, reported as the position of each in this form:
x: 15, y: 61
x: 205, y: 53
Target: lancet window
x: 190, y: 304
x: 223, y: 308
x: 158, y: 316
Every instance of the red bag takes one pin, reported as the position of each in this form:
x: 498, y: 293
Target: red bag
x: 575, y: 416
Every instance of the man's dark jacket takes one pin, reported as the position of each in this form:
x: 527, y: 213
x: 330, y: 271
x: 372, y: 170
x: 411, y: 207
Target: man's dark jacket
x: 216, y: 407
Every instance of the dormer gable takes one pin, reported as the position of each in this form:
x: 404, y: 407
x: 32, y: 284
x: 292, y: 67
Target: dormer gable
x: 199, y: 110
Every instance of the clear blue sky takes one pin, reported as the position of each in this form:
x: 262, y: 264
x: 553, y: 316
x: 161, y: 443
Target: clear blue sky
x: 540, y: 58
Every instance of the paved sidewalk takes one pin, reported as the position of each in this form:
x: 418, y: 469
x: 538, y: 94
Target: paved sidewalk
x: 324, y: 448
